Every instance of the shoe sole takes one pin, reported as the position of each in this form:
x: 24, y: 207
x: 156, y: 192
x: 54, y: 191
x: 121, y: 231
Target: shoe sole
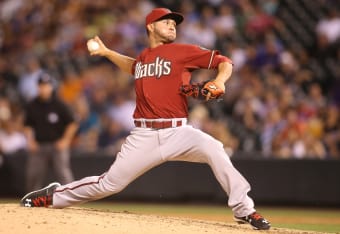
x: 36, y: 191
x: 241, y: 221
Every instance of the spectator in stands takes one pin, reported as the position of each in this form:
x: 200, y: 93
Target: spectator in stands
x: 313, y: 147
x: 71, y: 88
x: 89, y: 126
x: 8, y: 80
x: 220, y: 130
x: 12, y: 139
x: 288, y: 142
x: 314, y: 103
x: 112, y: 136
x: 248, y: 108
x: 328, y: 34
x: 332, y: 131
x: 329, y: 26
x: 257, y: 21
x: 198, y: 116
x: 49, y: 128
x: 269, y: 52
x: 273, y: 124
x: 121, y: 110
x: 199, y: 33
x: 224, y: 23
x: 269, y: 6
x: 27, y: 83
x: 237, y: 54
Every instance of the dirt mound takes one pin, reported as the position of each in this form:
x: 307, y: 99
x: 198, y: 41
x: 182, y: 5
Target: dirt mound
x: 18, y: 220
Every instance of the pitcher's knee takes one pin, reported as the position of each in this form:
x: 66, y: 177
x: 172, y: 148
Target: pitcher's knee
x: 211, y: 146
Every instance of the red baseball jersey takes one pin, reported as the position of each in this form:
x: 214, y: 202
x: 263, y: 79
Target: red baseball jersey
x: 159, y: 72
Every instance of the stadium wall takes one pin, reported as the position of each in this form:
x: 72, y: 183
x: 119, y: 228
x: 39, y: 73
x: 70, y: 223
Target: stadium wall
x: 274, y: 182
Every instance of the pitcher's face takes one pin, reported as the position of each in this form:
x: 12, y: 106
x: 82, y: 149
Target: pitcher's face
x: 164, y: 30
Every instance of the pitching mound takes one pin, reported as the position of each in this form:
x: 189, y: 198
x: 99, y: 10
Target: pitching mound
x: 18, y: 220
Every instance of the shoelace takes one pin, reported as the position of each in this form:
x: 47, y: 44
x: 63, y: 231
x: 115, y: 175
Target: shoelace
x: 256, y: 216
x: 41, y: 201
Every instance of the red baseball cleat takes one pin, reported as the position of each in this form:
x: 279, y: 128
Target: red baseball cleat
x: 40, y: 198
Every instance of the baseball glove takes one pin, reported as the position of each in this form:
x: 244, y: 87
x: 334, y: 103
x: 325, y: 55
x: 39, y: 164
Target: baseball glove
x: 206, y: 90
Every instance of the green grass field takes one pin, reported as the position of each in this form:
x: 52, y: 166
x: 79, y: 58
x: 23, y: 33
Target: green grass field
x: 310, y: 219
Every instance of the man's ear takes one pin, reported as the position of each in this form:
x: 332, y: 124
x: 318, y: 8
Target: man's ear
x: 150, y: 27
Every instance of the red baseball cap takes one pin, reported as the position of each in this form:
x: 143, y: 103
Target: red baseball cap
x: 163, y: 13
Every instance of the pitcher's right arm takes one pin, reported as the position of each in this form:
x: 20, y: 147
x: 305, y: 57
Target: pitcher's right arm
x: 124, y: 62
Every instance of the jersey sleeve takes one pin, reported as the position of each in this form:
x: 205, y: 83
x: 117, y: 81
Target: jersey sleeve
x: 199, y: 57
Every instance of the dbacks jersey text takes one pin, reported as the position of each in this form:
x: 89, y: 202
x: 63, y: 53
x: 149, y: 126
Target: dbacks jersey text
x: 160, y: 71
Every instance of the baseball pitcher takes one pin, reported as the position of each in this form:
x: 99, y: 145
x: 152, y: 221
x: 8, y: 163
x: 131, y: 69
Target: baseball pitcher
x: 162, y: 75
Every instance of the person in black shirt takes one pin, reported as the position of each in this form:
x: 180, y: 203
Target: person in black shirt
x: 49, y: 128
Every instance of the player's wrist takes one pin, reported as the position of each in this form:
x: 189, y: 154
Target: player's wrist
x: 105, y: 52
x: 219, y: 83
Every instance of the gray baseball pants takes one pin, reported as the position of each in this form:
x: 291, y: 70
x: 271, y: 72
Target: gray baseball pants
x: 146, y: 148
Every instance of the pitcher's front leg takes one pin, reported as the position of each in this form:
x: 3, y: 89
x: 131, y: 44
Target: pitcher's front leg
x: 202, y: 148
x: 136, y: 157
x: 231, y: 180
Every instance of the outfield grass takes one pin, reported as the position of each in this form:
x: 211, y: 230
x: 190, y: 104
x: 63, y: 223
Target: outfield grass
x: 309, y: 219
x: 312, y: 219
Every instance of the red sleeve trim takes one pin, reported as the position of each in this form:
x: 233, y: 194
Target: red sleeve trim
x: 220, y: 59
x: 211, y: 58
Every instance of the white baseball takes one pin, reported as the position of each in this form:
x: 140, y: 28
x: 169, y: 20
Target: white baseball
x: 92, y: 45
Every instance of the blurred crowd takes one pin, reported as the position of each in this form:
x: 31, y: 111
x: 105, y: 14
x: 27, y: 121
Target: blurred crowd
x: 282, y: 101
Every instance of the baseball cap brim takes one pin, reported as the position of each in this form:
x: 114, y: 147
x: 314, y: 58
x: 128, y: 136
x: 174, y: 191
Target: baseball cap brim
x: 178, y: 18
x: 163, y: 13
